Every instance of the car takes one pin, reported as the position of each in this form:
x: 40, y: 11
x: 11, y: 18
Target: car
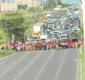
x: 74, y: 36
x: 47, y: 31
x: 75, y: 39
x: 75, y: 29
x: 63, y: 43
x: 29, y: 40
x: 63, y: 36
x: 43, y: 36
x: 50, y: 25
x: 56, y: 32
x: 54, y: 36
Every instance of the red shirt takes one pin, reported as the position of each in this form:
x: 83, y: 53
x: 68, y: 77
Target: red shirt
x: 48, y: 43
x: 13, y: 44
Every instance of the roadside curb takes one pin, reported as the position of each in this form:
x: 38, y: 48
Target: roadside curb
x: 1, y: 58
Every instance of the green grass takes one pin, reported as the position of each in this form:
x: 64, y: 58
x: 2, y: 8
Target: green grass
x: 6, y: 53
x: 83, y: 62
x: 83, y: 69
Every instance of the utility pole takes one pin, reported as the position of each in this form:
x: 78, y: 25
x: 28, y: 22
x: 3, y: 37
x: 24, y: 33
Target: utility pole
x: 6, y: 32
x: 83, y: 8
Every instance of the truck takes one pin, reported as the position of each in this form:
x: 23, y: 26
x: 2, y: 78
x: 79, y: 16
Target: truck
x: 36, y: 30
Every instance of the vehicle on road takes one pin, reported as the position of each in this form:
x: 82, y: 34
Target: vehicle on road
x: 75, y: 40
x: 43, y: 36
x: 63, y: 42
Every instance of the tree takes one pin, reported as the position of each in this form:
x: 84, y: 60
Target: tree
x: 22, y: 7
x: 14, y: 25
x: 59, y: 2
x: 17, y: 22
x: 50, y: 4
x: 2, y: 35
x: 65, y: 5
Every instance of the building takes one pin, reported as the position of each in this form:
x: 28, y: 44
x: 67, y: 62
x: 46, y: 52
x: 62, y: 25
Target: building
x: 12, y: 5
x: 8, y: 7
x: 29, y: 3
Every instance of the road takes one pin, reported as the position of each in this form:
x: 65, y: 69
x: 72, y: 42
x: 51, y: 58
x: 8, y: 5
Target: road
x: 40, y: 65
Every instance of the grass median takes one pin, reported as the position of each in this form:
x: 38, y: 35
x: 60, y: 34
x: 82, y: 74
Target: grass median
x: 83, y: 69
x: 6, y: 52
x: 83, y: 62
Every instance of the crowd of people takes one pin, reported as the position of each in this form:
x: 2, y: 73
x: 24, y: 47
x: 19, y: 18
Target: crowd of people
x: 34, y: 45
x: 26, y: 46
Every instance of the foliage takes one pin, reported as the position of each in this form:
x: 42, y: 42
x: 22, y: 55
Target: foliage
x: 83, y: 69
x: 31, y: 9
x: 6, y: 52
x: 18, y: 22
x: 14, y: 25
x: 2, y: 35
x: 22, y: 7
x: 80, y: 32
x: 53, y: 3
x: 65, y: 5
x: 50, y: 4
x: 59, y: 2
x: 82, y: 56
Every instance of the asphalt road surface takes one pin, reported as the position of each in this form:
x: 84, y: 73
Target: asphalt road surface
x: 40, y: 65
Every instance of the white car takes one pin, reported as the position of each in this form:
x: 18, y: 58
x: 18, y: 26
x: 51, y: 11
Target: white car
x: 43, y: 36
x: 63, y: 36
x: 75, y: 29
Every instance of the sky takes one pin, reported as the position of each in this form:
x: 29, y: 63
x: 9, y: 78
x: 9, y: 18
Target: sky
x: 71, y: 1
x: 64, y: 1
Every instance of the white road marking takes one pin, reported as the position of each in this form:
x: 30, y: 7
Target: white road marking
x: 60, y: 67
x: 29, y: 64
x: 44, y: 65
x: 75, y: 60
x: 13, y: 65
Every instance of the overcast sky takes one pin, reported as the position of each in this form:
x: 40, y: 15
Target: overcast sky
x: 64, y: 1
x: 71, y: 1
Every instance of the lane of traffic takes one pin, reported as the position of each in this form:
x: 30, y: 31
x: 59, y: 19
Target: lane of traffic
x: 30, y: 72
x: 50, y: 69
x: 69, y: 67
x: 28, y: 56
x: 12, y: 57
